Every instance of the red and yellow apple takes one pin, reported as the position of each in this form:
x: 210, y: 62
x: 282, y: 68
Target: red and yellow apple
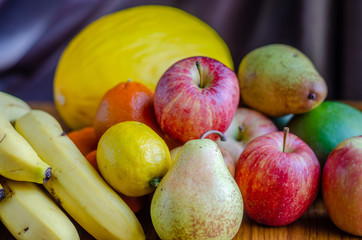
x: 246, y: 125
x: 195, y: 95
x: 342, y: 185
x: 278, y: 176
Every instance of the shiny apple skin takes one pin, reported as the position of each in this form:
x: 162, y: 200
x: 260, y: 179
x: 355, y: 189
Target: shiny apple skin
x: 342, y: 185
x: 277, y: 187
x: 184, y: 110
x: 253, y: 124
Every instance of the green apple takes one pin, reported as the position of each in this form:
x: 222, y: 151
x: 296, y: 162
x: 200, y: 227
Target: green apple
x: 324, y: 127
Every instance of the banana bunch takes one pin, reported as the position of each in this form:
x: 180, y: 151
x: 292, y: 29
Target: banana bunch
x: 75, y: 184
x: 25, y: 209
x: 29, y: 213
x: 18, y: 160
x: 34, y: 149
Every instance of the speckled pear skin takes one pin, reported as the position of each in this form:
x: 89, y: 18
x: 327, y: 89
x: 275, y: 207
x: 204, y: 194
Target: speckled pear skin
x: 278, y: 79
x: 197, y: 198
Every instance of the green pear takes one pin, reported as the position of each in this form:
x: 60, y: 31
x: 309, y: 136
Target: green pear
x: 197, y: 198
x: 278, y: 80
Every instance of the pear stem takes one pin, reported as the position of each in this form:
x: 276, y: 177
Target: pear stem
x: 155, y: 181
x: 200, y: 73
x: 221, y: 135
x: 285, y: 132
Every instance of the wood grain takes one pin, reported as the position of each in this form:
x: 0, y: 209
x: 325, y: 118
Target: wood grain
x: 314, y: 223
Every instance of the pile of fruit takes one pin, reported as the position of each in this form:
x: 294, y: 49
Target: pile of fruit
x: 158, y: 116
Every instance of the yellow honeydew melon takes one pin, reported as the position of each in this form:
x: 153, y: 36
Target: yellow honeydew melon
x: 138, y: 43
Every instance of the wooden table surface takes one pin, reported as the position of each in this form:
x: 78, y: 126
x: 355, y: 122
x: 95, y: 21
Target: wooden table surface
x: 314, y: 224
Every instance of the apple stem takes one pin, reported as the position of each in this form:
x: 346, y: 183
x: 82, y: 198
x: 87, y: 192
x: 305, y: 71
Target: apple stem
x: 221, y: 135
x: 129, y: 80
x: 240, y: 133
x: 200, y: 73
x: 285, y: 132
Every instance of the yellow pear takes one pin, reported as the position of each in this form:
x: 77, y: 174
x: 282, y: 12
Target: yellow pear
x: 278, y: 80
x: 197, y: 198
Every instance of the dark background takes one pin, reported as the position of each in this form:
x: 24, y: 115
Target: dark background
x: 33, y: 34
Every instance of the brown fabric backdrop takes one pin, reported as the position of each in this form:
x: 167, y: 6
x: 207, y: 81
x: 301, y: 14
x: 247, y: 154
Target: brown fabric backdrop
x: 33, y: 35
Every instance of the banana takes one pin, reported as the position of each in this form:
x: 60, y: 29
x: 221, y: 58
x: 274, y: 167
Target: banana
x: 11, y: 107
x: 28, y: 213
x: 18, y: 160
x: 75, y: 184
x: 2, y: 193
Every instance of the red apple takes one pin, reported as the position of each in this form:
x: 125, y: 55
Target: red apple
x: 246, y: 125
x: 195, y: 95
x: 278, y: 176
x: 229, y: 161
x: 342, y: 185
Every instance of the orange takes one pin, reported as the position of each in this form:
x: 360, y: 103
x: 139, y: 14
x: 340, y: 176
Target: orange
x: 85, y: 139
x: 138, y: 43
x: 127, y: 101
x: 134, y: 203
x: 92, y: 159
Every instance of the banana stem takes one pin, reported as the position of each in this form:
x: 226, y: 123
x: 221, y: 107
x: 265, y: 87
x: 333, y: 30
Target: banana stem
x: 47, y: 174
x: 285, y: 132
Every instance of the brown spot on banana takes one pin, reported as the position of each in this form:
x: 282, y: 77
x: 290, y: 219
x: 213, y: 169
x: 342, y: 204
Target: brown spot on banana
x: 2, y: 139
x: 56, y: 198
x: 24, y: 231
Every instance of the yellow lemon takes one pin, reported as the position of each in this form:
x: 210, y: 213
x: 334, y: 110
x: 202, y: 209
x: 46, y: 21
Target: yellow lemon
x: 138, y: 43
x: 132, y: 158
